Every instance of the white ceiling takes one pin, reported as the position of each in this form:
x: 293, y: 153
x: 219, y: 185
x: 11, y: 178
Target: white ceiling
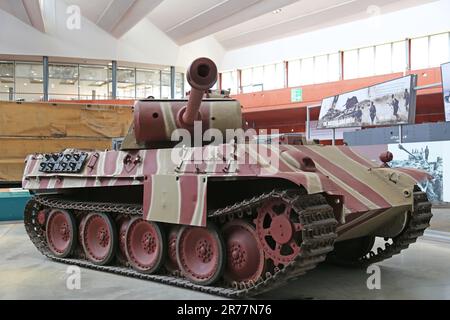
x: 234, y: 23
x: 305, y: 16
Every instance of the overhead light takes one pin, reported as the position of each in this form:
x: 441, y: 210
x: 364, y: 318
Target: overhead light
x: 276, y: 11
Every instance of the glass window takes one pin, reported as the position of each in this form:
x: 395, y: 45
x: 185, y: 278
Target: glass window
x: 63, y: 82
x: 350, y: 64
x: 29, y: 81
x: 294, y: 73
x: 258, y: 75
x: 126, y: 87
x: 148, y: 84
x: 273, y: 76
x: 165, y: 85
x: 187, y: 86
x: 95, y: 82
x: 246, y: 80
x: 279, y: 75
x: 419, y: 53
x: 307, y: 71
x: 383, y: 59
x: 7, y: 81
x: 270, y: 77
x: 333, y: 67
x: 398, y: 56
x: 366, y: 63
x: 229, y: 81
x: 439, y: 47
x: 321, y: 69
x: 179, y: 85
x: 215, y: 85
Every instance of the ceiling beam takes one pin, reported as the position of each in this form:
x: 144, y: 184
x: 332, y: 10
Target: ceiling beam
x: 224, y: 15
x: 34, y: 12
x: 112, y: 14
x: 122, y: 15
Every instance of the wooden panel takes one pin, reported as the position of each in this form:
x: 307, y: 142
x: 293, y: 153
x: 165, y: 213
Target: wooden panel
x: 27, y: 128
x: 63, y: 120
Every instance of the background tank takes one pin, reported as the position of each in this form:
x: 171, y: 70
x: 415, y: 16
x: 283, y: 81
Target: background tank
x: 243, y: 219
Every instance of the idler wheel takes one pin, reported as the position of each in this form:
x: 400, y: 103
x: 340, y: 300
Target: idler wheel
x: 61, y: 233
x: 201, y: 254
x: 245, y: 255
x: 99, y: 238
x: 145, y: 245
x: 279, y: 231
x: 171, y: 262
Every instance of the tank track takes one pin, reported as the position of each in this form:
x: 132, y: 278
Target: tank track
x: 418, y: 221
x: 314, y: 213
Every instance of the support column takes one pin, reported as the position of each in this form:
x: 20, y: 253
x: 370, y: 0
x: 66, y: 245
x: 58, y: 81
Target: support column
x: 239, y: 81
x: 172, y: 82
x: 286, y: 74
x: 341, y: 65
x: 308, y: 123
x: 45, y: 76
x: 408, y: 56
x: 219, y: 79
x: 114, y: 79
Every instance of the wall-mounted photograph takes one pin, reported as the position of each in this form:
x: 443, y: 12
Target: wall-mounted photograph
x: 388, y: 103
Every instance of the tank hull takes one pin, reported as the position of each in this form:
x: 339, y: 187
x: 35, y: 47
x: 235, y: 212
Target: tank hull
x: 187, y: 212
x: 177, y: 191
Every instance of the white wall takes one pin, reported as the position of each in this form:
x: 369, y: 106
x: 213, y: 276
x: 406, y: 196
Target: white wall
x: 416, y: 21
x: 206, y: 47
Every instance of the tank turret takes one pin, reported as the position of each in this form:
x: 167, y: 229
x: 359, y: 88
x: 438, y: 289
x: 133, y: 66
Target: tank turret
x: 155, y: 120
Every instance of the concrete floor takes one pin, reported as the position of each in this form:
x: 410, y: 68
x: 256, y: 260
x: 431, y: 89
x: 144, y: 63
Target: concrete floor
x: 421, y: 272
x: 441, y: 219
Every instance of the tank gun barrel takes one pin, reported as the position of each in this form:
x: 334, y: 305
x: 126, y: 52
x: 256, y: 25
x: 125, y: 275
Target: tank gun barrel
x: 201, y: 75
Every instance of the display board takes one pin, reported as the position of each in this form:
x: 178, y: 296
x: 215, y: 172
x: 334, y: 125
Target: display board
x: 445, y: 70
x: 433, y: 157
x: 389, y: 103
x: 327, y: 134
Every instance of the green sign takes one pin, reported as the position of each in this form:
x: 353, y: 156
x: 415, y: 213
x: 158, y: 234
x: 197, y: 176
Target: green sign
x: 296, y: 95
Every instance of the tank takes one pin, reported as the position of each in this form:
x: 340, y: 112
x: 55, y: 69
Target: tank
x: 244, y: 217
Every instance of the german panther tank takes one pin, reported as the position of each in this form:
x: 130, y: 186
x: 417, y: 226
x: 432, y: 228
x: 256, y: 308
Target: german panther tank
x: 187, y: 203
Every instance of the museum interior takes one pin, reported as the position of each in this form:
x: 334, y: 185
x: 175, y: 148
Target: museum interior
x: 221, y: 149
